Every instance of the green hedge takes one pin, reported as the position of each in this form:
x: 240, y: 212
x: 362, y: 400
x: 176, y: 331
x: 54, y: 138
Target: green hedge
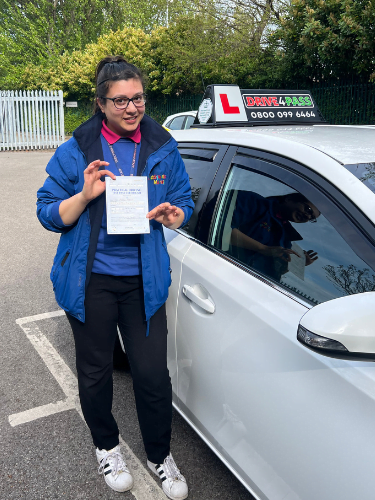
x: 73, y: 117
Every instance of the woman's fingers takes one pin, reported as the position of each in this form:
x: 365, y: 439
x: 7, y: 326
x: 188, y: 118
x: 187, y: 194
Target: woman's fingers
x: 312, y: 253
x: 95, y: 165
x: 94, y: 168
x: 290, y: 251
x: 93, y: 185
x: 311, y: 256
x: 160, y: 210
x: 107, y: 172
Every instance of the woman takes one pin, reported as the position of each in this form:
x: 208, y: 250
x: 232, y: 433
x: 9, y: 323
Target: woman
x: 103, y: 280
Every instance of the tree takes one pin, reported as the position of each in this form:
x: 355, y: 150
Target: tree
x: 211, y: 46
x: 41, y: 29
x: 205, y: 42
x: 350, y: 279
x: 74, y: 72
x: 321, y: 40
x: 249, y: 19
x: 38, y: 32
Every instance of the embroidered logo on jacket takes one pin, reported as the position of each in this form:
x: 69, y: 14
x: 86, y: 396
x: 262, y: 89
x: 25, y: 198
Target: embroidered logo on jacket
x: 158, y: 179
x: 265, y: 225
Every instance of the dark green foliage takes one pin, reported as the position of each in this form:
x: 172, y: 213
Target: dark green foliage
x: 320, y: 40
x: 73, y: 117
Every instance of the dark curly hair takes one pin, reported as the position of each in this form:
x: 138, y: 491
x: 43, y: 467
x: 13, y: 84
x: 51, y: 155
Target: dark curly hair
x: 111, y: 69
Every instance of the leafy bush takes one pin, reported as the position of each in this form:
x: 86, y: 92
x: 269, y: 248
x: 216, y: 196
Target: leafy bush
x: 74, y: 73
x: 331, y: 39
x: 73, y: 117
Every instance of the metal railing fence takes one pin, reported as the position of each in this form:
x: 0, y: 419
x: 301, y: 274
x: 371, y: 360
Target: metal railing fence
x: 31, y: 119
x: 159, y: 109
x: 341, y: 103
x: 346, y: 103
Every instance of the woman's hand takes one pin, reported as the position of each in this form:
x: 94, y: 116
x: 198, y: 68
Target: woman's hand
x: 278, y: 252
x: 311, y: 256
x: 167, y: 214
x: 93, y: 186
x: 71, y: 209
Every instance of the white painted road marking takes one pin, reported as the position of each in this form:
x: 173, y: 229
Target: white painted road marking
x: 38, y: 317
x: 41, y: 411
x: 145, y: 488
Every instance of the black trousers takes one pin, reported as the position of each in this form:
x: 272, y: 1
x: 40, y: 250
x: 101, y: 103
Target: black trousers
x: 112, y: 300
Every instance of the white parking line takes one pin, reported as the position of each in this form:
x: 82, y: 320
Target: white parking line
x: 41, y: 411
x: 145, y: 487
x: 38, y: 317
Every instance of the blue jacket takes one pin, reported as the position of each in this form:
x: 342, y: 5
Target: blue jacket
x: 72, y: 265
x: 255, y: 216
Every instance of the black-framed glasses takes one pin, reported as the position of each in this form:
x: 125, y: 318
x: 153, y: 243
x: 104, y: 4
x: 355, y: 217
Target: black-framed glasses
x: 138, y: 100
x: 310, y: 212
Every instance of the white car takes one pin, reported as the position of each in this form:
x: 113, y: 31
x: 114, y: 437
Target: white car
x: 282, y: 240
x: 180, y: 121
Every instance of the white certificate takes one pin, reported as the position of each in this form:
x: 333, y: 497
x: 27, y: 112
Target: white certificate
x: 297, y: 264
x: 127, y: 205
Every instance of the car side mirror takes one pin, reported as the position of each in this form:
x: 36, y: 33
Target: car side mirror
x: 342, y: 328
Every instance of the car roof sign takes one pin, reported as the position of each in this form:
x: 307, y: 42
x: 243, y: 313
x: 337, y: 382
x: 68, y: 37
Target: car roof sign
x: 228, y: 105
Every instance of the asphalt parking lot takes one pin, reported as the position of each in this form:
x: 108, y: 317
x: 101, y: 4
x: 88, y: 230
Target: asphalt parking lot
x: 46, y: 447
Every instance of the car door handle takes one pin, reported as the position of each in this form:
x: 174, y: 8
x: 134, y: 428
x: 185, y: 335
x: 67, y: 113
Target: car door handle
x: 192, y: 295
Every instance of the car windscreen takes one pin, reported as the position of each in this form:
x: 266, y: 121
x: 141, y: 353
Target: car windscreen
x: 365, y: 172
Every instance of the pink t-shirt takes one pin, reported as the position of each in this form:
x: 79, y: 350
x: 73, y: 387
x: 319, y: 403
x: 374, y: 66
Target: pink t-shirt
x: 112, y: 137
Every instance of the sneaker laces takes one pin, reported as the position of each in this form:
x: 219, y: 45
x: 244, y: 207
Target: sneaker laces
x: 116, y: 462
x: 172, y: 471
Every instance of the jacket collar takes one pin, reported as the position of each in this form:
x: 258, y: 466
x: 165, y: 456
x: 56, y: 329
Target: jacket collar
x: 88, y: 132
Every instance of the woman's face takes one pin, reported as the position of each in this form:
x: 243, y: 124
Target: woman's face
x: 123, y: 121
x: 300, y: 212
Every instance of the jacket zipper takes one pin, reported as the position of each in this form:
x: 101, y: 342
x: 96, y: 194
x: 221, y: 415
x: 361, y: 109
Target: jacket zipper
x: 65, y: 257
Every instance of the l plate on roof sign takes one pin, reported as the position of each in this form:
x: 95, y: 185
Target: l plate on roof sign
x: 229, y: 106
x: 205, y: 111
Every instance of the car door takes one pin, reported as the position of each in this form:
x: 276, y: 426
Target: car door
x: 201, y: 163
x: 288, y: 422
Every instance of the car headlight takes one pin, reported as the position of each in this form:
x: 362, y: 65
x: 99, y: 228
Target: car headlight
x: 316, y: 341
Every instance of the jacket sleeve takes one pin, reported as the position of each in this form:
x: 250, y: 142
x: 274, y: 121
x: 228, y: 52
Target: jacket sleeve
x: 58, y: 186
x: 179, y: 190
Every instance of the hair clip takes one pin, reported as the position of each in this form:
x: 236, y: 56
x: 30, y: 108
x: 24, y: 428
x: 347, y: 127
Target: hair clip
x: 103, y: 81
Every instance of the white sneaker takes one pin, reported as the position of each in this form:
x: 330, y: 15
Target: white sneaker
x: 173, y: 482
x: 112, y: 465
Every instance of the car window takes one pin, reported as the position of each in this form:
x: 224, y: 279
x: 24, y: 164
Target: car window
x: 365, y: 172
x: 197, y: 162
x: 275, y: 230
x: 189, y: 121
x: 201, y: 163
x: 177, y: 123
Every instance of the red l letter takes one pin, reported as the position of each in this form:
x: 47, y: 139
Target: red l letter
x: 227, y: 108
